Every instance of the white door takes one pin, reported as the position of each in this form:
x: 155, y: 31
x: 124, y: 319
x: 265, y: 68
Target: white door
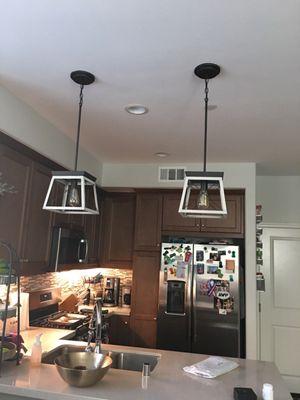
x: 280, y: 304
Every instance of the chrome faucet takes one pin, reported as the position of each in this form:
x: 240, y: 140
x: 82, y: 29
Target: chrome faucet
x: 95, y: 328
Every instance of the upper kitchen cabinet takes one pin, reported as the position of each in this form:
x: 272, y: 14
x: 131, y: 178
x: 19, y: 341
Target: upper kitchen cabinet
x: 92, y: 226
x: 36, y: 242
x: 118, y: 230
x: 233, y: 223
x: 172, y: 220
x: 148, y: 221
x: 15, y: 171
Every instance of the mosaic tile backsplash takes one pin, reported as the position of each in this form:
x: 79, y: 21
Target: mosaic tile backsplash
x: 73, y: 281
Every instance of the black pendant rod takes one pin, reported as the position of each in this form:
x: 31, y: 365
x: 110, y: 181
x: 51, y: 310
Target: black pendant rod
x: 205, y: 125
x: 78, y: 126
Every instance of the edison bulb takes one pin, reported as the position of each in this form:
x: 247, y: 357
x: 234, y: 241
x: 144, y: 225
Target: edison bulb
x: 203, y: 199
x: 73, y: 199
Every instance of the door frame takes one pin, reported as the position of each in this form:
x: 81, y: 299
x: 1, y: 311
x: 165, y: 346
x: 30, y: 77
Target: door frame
x: 271, y: 225
x: 279, y: 227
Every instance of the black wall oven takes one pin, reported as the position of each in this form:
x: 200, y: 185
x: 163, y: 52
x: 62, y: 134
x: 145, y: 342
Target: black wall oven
x: 68, y: 246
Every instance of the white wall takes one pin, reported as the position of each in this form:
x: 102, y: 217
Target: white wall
x: 237, y: 175
x: 21, y: 122
x: 279, y: 197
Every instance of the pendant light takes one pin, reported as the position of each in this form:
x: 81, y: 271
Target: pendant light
x: 203, y: 192
x: 74, y: 192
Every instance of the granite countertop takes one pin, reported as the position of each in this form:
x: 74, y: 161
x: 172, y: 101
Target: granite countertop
x: 167, y: 382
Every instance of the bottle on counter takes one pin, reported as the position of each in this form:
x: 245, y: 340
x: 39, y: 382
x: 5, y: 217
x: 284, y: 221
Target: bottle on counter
x: 36, y: 351
x: 267, y: 391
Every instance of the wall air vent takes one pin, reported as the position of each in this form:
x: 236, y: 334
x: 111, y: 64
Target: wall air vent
x: 171, y: 174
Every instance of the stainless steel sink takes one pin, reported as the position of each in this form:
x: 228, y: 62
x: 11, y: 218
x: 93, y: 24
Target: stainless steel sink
x: 133, y: 361
x: 121, y: 360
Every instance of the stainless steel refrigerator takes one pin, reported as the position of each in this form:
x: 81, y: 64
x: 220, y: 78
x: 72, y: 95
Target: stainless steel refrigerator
x: 200, y: 299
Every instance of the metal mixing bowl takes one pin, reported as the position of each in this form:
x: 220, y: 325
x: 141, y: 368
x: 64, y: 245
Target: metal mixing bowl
x: 81, y: 368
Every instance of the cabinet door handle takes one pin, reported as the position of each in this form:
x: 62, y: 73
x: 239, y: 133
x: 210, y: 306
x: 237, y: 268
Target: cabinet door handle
x: 126, y: 322
x: 24, y: 260
x: 158, y: 244
x: 154, y: 318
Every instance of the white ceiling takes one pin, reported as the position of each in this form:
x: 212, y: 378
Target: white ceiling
x: 145, y: 51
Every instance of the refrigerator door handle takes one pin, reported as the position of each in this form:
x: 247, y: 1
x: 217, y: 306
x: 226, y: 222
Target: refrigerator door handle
x: 179, y: 314
x: 194, y: 293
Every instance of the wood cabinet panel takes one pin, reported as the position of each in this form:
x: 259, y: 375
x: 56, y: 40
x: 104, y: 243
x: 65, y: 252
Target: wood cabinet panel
x: 148, y: 221
x: 119, y: 330
x: 233, y: 222
x: 15, y: 170
x: 36, y: 243
x: 145, y: 298
x: 172, y: 220
x: 146, y: 267
x: 144, y: 332
x: 118, y: 230
x: 92, y: 227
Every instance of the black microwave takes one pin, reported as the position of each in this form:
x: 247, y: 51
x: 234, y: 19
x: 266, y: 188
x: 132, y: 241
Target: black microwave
x: 68, y: 246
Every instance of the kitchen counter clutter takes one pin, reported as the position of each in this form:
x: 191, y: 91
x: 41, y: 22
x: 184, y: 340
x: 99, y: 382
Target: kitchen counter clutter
x: 110, y: 310
x: 168, y: 381
x: 50, y: 337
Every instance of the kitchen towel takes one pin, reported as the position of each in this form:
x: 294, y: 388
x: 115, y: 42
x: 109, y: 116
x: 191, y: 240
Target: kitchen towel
x: 211, y: 367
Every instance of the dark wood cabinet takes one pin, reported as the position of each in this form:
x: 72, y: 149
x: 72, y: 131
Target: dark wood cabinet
x: 92, y: 227
x: 36, y: 242
x: 148, y: 221
x: 232, y: 225
x: 143, y: 323
x: 15, y: 171
x: 119, y: 330
x: 144, y: 331
x: 118, y: 230
x: 172, y: 220
x: 23, y: 222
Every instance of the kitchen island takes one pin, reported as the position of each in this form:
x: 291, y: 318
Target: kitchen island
x: 167, y: 382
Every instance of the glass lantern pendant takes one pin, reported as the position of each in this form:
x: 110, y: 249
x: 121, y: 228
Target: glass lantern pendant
x: 74, y: 192
x: 203, y: 192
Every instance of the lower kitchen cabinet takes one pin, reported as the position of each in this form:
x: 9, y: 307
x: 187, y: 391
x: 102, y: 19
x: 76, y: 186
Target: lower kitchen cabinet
x: 145, y: 298
x: 119, y: 330
x: 144, y: 331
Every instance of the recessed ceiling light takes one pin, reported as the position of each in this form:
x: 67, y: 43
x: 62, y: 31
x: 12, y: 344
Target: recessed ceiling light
x: 161, y: 154
x: 136, y: 109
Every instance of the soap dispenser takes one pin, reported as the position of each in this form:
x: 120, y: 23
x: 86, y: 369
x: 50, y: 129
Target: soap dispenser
x: 36, y: 351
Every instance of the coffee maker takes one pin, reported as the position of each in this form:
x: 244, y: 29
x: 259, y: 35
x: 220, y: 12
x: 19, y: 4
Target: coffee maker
x: 111, y: 291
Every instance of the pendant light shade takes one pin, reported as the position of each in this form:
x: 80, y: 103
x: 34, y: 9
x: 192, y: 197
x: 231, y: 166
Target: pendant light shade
x: 74, y: 192
x: 203, y: 192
